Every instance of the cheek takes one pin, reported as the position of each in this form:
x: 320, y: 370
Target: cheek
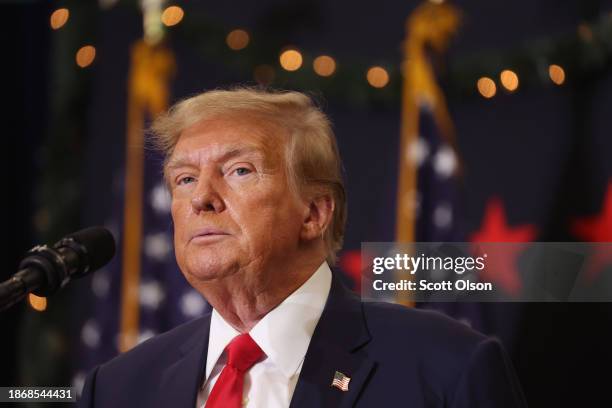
x: 274, y: 222
x: 180, y: 220
x: 178, y: 229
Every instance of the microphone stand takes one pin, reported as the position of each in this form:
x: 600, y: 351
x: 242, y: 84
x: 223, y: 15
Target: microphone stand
x: 47, y: 269
x: 43, y: 271
x: 12, y: 291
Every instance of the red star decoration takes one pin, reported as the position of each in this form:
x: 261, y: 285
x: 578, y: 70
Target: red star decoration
x: 597, y: 228
x: 501, y: 262
x: 350, y: 263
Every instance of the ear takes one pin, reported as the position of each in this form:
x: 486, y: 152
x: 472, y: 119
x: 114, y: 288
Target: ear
x: 318, y: 217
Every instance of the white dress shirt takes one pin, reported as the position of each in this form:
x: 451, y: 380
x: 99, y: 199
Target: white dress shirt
x: 283, y: 334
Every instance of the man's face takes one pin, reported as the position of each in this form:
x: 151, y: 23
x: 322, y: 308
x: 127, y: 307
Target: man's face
x: 232, y: 206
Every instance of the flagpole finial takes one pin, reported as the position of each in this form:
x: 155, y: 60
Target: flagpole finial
x: 433, y: 24
x: 153, y: 29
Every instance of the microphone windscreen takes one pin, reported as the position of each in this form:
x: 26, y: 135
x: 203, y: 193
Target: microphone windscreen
x: 99, y: 245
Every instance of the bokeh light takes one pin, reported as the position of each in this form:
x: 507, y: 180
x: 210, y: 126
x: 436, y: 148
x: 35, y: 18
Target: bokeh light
x: 486, y: 87
x: 557, y: 74
x: 377, y: 77
x: 509, y: 80
x: 85, y: 56
x: 237, y: 39
x: 324, y: 65
x: 172, y: 16
x: 59, y: 18
x: 291, y: 60
x: 37, y: 303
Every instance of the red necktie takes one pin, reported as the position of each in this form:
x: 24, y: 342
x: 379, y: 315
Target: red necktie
x: 242, y: 354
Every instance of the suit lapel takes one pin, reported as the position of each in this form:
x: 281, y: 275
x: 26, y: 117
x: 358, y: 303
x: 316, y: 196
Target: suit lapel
x: 335, y: 346
x: 340, y: 334
x: 180, y: 381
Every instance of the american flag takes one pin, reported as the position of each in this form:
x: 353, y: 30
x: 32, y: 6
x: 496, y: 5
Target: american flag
x: 436, y: 198
x: 438, y: 208
x: 340, y: 381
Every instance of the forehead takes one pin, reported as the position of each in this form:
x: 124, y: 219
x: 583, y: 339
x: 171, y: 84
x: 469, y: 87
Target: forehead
x: 214, y: 137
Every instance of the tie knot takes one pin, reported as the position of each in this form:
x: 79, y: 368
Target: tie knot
x: 243, y: 352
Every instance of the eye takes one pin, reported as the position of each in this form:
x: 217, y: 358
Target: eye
x: 242, y: 171
x: 185, y: 180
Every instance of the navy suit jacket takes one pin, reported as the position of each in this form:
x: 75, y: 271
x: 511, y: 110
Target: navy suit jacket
x: 395, y: 357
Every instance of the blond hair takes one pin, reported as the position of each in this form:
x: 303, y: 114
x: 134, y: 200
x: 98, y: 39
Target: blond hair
x: 311, y: 155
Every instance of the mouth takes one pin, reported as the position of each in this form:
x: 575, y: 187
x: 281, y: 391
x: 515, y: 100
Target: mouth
x: 208, y: 234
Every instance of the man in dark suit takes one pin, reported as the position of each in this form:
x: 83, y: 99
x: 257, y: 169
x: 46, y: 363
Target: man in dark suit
x: 259, y: 208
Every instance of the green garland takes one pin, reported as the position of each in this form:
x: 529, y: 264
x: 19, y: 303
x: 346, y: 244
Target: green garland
x: 582, y: 54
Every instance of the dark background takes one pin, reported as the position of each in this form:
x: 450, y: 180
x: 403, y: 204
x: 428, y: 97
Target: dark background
x: 545, y: 150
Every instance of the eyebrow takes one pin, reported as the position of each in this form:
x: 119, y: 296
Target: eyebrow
x: 185, y: 161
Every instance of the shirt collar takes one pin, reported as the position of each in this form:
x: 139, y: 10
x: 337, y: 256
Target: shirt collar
x: 221, y: 333
x: 284, y: 333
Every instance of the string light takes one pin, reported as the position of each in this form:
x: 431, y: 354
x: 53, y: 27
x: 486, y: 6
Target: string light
x: 85, y: 56
x: 59, y: 18
x: 486, y: 87
x: 172, y: 16
x: 556, y: 74
x: 324, y: 65
x: 509, y: 80
x: 291, y: 60
x: 237, y: 39
x: 377, y: 77
x: 37, y: 303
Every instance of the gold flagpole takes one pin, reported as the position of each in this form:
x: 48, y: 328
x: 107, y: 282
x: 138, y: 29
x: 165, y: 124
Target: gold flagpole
x: 152, y: 65
x: 430, y: 25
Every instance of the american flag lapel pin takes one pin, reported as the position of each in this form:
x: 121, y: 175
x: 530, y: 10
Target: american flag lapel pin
x: 340, y: 381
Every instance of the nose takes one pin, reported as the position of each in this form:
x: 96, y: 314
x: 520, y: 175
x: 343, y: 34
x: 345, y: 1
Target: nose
x: 206, y: 197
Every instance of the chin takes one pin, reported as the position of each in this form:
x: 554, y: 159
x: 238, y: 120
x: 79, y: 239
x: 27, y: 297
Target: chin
x: 203, y: 268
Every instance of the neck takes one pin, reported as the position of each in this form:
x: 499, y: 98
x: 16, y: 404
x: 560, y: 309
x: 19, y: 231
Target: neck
x: 245, y: 297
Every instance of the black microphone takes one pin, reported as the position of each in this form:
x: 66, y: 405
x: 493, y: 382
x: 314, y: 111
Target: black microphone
x: 46, y: 269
